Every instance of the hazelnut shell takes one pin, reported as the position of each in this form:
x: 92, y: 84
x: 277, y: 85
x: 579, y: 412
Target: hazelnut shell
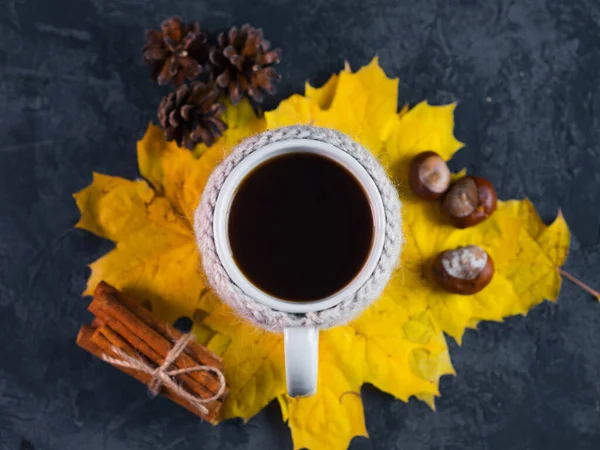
x: 419, y: 188
x: 486, y: 204
x: 458, y: 285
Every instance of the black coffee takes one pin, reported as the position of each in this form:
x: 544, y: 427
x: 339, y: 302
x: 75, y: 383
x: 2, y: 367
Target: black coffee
x: 300, y: 227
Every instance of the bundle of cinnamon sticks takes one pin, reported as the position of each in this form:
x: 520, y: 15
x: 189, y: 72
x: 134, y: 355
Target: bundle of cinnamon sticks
x: 123, y: 324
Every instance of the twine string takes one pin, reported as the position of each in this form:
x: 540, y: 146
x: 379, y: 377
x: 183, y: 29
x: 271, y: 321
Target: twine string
x: 161, y: 376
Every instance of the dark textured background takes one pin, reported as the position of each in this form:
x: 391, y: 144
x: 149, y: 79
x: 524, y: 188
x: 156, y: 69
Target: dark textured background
x: 74, y: 97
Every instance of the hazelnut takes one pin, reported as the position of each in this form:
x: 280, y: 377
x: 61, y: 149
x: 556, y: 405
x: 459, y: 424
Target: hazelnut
x: 464, y: 271
x: 429, y: 176
x: 470, y: 201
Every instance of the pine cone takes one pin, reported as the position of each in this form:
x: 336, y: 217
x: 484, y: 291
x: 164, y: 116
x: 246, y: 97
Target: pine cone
x: 243, y: 64
x: 175, y: 52
x: 191, y: 115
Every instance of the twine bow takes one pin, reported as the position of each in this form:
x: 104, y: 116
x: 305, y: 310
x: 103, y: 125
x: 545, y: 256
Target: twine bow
x: 162, y: 377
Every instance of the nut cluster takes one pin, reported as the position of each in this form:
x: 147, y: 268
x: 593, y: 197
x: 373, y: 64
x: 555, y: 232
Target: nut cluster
x: 466, y: 202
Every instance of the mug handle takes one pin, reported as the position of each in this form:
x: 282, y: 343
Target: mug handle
x: 301, y: 347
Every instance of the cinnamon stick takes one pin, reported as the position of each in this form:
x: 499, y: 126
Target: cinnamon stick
x: 115, y: 332
x: 124, y: 324
x: 148, y: 341
x: 97, y: 344
x: 194, y: 350
x: 115, y: 339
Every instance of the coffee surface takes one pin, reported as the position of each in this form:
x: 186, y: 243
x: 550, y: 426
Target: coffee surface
x: 300, y: 227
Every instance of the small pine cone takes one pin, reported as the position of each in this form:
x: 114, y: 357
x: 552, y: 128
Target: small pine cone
x: 243, y: 64
x: 191, y: 115
x: 175, y: 52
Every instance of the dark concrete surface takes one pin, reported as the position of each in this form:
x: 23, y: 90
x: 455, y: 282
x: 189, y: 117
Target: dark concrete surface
x: 74, y: 97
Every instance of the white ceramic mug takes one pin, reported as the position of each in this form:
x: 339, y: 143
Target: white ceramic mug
x: 301, y: 344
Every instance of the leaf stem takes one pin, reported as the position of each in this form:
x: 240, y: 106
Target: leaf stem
x: 581, y: 284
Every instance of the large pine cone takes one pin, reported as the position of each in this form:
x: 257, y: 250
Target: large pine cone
x: 243, y: 64
x: 191, y: 115
x: 175, y: 52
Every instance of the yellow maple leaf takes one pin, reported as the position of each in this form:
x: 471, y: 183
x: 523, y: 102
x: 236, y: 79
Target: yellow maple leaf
x: 360, y: 104
x: 322, y: 96
x: 397, y: 344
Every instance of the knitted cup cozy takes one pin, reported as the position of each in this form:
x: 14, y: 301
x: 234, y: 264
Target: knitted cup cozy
x: 263, y: 315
